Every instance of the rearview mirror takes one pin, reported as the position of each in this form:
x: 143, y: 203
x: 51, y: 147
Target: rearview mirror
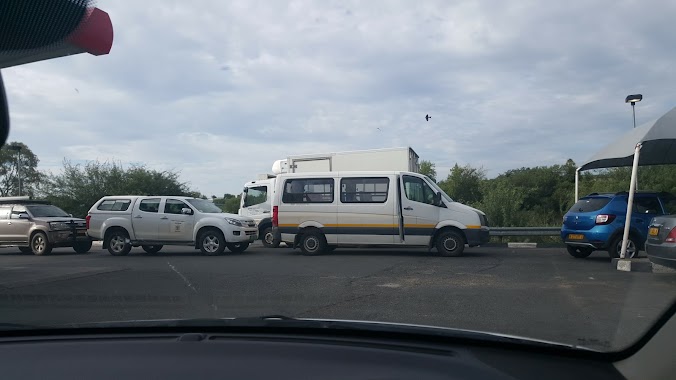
x: 22, y: 215
x: 186, y: 211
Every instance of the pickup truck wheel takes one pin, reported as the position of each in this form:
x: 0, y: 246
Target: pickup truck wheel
x: 40, y: 245
x: 212, y: 242
x: 151, y: 248
x: 117, y: 243
x: 450, y: 243
x: 238, y: 247
x: 82, y: 246
x: 268, y: 238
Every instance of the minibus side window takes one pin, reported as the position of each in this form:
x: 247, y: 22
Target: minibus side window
x: 364, y: 190
x: 308, y: 190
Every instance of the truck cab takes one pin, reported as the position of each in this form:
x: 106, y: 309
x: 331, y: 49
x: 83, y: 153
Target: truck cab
x: 255, y: 203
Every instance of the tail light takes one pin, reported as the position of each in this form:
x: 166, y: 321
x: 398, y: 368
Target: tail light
x: 87, y: 220
x: 604, y: 218
x: 671, y: 238
x: 275, y: 216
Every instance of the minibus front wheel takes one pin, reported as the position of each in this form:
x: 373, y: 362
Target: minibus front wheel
x: 450, y: 243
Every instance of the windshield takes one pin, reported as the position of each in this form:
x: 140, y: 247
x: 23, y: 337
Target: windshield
x: 343, y: 119
x: 439, y: 190
x: 204, y: 206
x: 46, y: 211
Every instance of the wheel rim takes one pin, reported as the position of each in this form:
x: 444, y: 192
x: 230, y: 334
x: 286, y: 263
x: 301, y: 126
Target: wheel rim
x: 39, y: 243
x: 211, y: 243
x: 269, y: 238
x: 117, y: 243
x: 311, y: 244
x: 450, y: 244
x: 631, y: 249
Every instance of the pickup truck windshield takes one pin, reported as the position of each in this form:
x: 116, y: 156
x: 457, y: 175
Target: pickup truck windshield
x: 204, y: 206
x: 46, y: 211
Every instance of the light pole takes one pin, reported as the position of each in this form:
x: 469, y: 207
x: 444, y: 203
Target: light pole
x: 633, y: 99
x: 17, y: 148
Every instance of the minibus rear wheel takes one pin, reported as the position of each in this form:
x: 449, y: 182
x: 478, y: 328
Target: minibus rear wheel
x: 313, y: 243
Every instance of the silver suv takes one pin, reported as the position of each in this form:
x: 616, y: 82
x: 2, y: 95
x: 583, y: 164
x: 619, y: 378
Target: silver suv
x: 37, y: 227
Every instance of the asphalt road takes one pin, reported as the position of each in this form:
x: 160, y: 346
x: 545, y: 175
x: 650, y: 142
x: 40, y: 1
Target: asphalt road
x: 539, y: 293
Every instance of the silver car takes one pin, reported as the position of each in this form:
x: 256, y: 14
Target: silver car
x: 661, y: 243
x: 37, y: 227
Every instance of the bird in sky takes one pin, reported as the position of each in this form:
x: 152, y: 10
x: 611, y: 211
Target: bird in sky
x: 76, y: 90
x: 428, y: 117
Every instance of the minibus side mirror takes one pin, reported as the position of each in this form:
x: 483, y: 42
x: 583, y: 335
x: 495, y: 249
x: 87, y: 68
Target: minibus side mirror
x: 437, y: 200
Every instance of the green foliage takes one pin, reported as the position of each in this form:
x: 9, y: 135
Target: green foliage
x: 9, y: 170
x: 463, y: 184
x: 78, y: 187
x: 429, y: 169
x: 229, y: 203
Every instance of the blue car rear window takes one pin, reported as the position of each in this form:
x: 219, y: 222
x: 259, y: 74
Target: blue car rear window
x: 589, y: 204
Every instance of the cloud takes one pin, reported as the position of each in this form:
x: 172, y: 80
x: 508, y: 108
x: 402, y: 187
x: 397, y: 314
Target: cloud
x: 219, y: 90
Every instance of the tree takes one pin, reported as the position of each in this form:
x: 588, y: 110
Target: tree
x: 229, y: 203
x: 463, y: 184
x: 78, y: 187
x: 428, y: 168
x: 9, y: 170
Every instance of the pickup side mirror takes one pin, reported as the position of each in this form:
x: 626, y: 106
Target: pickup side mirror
x: 186, y: 211
x: 21, y: 215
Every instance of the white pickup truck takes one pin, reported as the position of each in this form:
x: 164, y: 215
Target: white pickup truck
x: 123, y: 222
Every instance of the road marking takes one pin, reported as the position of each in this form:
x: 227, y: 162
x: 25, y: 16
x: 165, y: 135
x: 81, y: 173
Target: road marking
x: 389, y: 285
x: 185, y: 280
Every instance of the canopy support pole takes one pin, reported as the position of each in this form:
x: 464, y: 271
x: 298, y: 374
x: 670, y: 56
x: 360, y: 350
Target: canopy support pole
x: 577, y: 184
x: 630, y: 201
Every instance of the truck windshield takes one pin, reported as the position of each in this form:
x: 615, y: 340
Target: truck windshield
x: 255, y: 196
x: 204, y: 206
x: 46, y: 211
x: 437, y: 188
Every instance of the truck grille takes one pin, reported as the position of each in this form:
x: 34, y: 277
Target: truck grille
x: 250, y: 233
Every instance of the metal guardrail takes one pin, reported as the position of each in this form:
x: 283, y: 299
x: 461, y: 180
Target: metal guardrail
x: 525, y: 231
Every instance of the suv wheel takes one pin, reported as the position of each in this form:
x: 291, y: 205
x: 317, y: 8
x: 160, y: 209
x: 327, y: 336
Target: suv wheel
x: 40, y: 245
x: 82, y: 246
x: 118, y: 244
x: 238, y: 247
x: 151, y: 248
x: 579, y: 252
x: 616, y: 248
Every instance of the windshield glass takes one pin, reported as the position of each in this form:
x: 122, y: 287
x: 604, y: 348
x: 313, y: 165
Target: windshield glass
x: 205, y: 206
x: 439, y: 190
x: 343, y: 119
x: 45, y: 211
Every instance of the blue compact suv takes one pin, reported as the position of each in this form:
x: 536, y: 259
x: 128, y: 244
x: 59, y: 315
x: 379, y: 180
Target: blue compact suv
x: 596, y: 222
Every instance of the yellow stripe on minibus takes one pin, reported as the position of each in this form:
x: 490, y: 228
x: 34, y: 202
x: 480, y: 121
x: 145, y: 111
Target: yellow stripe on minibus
x: 474, y: 227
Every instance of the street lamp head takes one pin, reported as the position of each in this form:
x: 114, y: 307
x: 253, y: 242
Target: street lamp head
x: 633, y: 98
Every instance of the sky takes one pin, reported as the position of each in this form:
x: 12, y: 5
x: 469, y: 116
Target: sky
x: 219, y: 90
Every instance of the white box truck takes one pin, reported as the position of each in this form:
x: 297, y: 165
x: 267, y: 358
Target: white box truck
x: 256, y: 198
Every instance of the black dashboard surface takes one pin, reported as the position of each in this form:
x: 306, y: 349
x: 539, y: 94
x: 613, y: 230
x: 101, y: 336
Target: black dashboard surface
x: 198, y: 356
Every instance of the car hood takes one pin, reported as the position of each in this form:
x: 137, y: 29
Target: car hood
x: 281, y: 323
